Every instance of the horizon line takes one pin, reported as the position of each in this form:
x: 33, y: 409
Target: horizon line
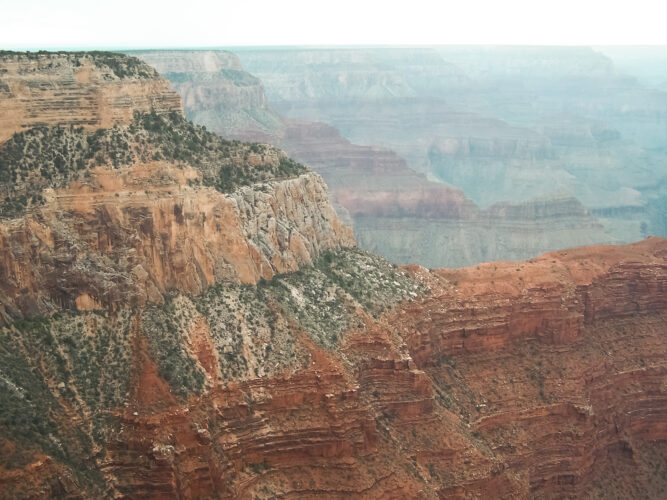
x: 130, y: 48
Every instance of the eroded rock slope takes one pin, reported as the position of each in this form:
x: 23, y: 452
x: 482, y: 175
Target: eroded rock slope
x: 185, y: 317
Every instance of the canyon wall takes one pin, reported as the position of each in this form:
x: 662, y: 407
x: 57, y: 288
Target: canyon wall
x: 549, y: 365
x: 87, y: 89
x: 503, y: 124
x: 133, y: 234
x: 508, y: 380
x: 216, y: 92
x: 394, y: 210
x: 186, y: 317
x: 145, y: 224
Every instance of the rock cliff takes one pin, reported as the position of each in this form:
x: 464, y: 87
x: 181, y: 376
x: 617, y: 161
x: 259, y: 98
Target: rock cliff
x: 148, y: 207
x: 401, y: 215
x: 186, y: 317
x: 216, y: 92
x: 548, y: 365
x: 89, y: 89
x: 543, y: 378
x: 133, y: 234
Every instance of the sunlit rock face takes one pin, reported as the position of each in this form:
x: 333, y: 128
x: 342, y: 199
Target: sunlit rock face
x: 111, y: 200
x: 137, y: 240
x: 92, y: 90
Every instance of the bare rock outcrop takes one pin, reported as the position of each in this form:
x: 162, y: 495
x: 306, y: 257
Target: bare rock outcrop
x: 547, y: 381
x: 92, y: 90
x: 130, y: 235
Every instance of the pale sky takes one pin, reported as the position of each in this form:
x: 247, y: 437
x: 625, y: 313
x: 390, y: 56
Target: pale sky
x: 49, y: 24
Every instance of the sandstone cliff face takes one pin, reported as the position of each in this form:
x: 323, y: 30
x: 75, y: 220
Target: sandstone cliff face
x: 92, y: 90
x: 130, y: 235
x: 573, y: 288
x: 125, y: 215
x: 536, y: 383
x: 290, y: 223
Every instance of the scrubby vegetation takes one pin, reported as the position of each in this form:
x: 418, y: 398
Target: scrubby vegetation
x: 225, y: 165
x: 165, y: 328
x: 80, y: 364
x: 29, y: 409
x: 251, y: 337
x: 54, y: 369
x: 371, y: 280
x: 83, y: 356
x: 255, y: 328
x: 113, y: 63
x: 54, y: 156
x: 322, y: 298
x: 43, y: 157
x: 313, y: 302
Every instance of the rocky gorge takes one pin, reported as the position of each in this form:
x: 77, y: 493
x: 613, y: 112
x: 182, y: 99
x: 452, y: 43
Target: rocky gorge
x: 186, y: 316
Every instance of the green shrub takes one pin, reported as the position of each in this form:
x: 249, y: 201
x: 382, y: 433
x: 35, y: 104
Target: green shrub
x: 45, y: 157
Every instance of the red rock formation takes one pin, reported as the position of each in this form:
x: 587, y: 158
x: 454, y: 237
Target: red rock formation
x: 498, y: 383
x: 549, y: 299
x: 557, y: 363
x: 371, y: 181
x: 550, y: 436
x: 544, y: 378
x: 79, y: 89
x: 165, y: 234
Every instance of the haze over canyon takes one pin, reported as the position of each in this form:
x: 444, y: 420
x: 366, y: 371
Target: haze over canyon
x: 451, y: 156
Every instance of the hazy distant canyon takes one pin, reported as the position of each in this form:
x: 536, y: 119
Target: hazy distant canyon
x: 450, y: 156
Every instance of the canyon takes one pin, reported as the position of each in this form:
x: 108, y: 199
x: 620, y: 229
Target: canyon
x: 185, y: 316
x: 492, y: 129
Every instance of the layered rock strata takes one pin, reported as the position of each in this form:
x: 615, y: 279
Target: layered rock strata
x: 88, y: 89
x: 503, y: 124
x: 130, y: 235
x: 196, y: 323
x: 151, y: 206
x: 543, y: 378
